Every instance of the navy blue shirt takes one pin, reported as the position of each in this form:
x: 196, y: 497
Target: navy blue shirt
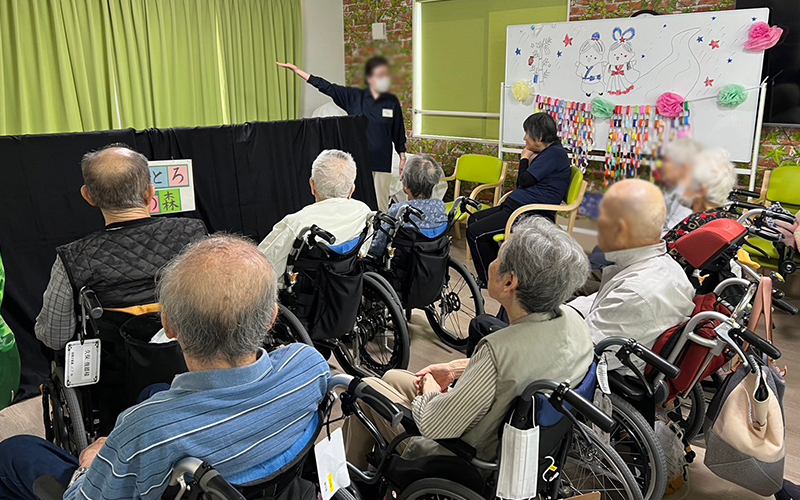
x: 385, y: 117
x: 552, y: 172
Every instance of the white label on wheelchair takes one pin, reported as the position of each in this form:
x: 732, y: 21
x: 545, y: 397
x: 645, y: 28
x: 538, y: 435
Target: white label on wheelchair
x: 519, y: 463
x: 82, y: 365
x: 331, y: 464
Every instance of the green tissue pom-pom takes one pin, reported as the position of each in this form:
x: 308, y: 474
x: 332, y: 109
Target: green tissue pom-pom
x: 731, y: 95
x: 602, y: 109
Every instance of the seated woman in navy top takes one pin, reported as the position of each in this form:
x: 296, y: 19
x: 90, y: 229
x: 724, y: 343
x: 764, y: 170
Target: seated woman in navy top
x: 544, y: 177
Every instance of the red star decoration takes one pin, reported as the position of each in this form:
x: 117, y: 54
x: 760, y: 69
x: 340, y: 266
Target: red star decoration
x: 714, y: 44
x: 567, y: 41
x: 709, y: 82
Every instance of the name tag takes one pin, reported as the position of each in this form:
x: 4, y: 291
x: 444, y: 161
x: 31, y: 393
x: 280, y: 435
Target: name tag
x: 82, y: 365
x: 331, y: 464
x: 388, y: 113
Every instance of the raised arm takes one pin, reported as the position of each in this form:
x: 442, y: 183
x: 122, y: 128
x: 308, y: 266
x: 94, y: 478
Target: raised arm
x: 299, y: 72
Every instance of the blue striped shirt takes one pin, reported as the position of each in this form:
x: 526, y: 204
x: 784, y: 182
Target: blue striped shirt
x: 247, y: 422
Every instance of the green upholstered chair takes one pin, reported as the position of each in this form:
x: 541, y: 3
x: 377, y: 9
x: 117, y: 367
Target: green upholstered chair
x: 569, y: 209
x: 779, y: 185
x: 488, y: 171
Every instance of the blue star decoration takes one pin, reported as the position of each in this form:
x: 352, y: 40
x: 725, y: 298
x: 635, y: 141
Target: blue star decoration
x: 755, y: 18
x: 518, y: 52
x: 665, y: 25
x: 713, y: 18
x: 730, y: 60
x: 558, y: 53
x: 699, y: 39
x: 642, y: 56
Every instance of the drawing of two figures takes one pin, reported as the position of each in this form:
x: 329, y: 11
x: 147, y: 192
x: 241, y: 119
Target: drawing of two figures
x: 617, y: 75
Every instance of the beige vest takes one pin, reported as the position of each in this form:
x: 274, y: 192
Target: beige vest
x: 535, y: 347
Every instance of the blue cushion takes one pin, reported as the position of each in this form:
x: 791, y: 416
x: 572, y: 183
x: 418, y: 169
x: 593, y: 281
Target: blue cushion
x: 346, y: 247
x: 434, y: 232
x: 547, y: 416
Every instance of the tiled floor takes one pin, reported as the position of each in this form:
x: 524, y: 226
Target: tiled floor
x: 427, y: 349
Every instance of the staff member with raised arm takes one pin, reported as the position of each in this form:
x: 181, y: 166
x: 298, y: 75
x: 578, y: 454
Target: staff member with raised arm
x: 383, y: 111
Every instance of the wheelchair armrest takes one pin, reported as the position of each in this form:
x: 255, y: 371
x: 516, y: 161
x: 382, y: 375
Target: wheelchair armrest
x: 459, y: 448
x: 48, y: 488
x: 408, y: 422
x: 627, y: 386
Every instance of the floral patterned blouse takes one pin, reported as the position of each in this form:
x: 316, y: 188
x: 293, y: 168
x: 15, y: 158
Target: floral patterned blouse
x: 688, y: 225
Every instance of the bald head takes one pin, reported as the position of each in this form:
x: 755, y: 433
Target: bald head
x: 116, y: 178
x: 632, y: 215
x: 218, y: 297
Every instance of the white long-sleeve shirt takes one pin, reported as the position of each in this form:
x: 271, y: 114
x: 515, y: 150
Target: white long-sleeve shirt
x: 345, y: 218
x: 642, y: 295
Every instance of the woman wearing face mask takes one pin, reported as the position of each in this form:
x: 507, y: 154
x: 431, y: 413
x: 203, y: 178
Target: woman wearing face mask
x: 707, y: 189
x: 383, y: 111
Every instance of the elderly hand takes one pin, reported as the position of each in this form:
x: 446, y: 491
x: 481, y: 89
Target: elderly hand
x: 441, y: 373
x: 90, y: 452
x: 428, y: 384
x: 528, y: 154
x: 402, y: 164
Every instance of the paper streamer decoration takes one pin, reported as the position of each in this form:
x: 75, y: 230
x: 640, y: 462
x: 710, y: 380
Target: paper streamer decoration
x: 522, y: 91
x: 731, y: 95
x: 602, y: 109
x: 763, y: 36
x: 669, y: 105
x: 575, y: 124
x: 628, y: 142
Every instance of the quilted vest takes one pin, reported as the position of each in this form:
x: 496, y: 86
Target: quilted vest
x: 120, y: 262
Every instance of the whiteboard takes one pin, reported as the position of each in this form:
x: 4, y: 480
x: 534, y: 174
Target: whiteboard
x: 692, y: 55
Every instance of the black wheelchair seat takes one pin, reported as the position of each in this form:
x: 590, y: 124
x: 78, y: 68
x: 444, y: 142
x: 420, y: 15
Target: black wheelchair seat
x: 627, y: 386
x: 404, y: 472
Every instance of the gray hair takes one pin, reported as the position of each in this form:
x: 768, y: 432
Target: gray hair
x: 713, y: 171
x: 421, y: 175
x: 116, y: 177
x: 682, y: 152
x: 548, y: 263
x: 334, y: 174
x: 218, y: 296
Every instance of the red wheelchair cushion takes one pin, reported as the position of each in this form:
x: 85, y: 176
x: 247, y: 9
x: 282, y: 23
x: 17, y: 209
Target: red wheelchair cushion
x: 705, y: 243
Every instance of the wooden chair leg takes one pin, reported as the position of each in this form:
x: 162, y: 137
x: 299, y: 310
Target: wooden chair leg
x: 458, y: 230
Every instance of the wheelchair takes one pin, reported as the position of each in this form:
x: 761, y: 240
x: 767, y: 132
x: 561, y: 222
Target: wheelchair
x: 422, y: 274
x: 74, y: 416
x: 572, y: 459
x: 713, y: 336
x: 328, y: 301
x: 194, y: 479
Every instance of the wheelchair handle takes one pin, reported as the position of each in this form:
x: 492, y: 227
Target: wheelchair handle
x: 657, y: 362
x: 561, y: 392
x: 406, y: 211
x: 92, y: 304
x: 756, y: 341
x: 744, y: 192
x: 785, y: 306
x: 382, y: 405
x: 318, y: 232
x: 767, y: 233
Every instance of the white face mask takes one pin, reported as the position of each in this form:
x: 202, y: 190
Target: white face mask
x: 382, y: 84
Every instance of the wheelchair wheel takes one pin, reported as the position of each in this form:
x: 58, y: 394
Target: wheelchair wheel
x: 379, y: 342
x: 636, y: 442
x: 593, y: 466
x: 64, y: 417
x: 286, y: 330
x: 459, y: 302
x: 688, y: 412
x: 438, y: 489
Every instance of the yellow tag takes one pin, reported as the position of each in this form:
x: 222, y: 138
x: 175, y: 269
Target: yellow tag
x: 330, y: 482
x: 552, y: 468
x: 702, y: 278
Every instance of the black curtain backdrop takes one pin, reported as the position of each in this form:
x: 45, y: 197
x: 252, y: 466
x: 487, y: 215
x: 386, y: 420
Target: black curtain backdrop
x: 247, y: 177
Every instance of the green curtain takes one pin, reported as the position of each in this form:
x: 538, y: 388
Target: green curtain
x: 83, y: 65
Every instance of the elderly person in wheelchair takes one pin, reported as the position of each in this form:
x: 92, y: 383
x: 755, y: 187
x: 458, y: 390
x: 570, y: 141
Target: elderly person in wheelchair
x: 421, y: 175
x: 333, y: 176
x: 537, y: 269
x: 247, y: 412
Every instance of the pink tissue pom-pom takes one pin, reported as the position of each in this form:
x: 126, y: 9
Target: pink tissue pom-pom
x: 763, y: 36
x: 669, y: 105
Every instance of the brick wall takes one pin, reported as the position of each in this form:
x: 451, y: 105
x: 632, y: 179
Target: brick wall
x: 777, y: 143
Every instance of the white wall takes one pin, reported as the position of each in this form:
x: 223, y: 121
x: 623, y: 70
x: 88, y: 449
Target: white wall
x: 323, y: 48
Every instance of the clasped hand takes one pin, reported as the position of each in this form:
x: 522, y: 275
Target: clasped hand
x: 434, y: 378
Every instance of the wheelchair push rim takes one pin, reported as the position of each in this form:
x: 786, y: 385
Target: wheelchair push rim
x: 634, y: 439
x: 379, y: 341
x: 593, y: 466
x: 437, y: 489
x: 459, y: 302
